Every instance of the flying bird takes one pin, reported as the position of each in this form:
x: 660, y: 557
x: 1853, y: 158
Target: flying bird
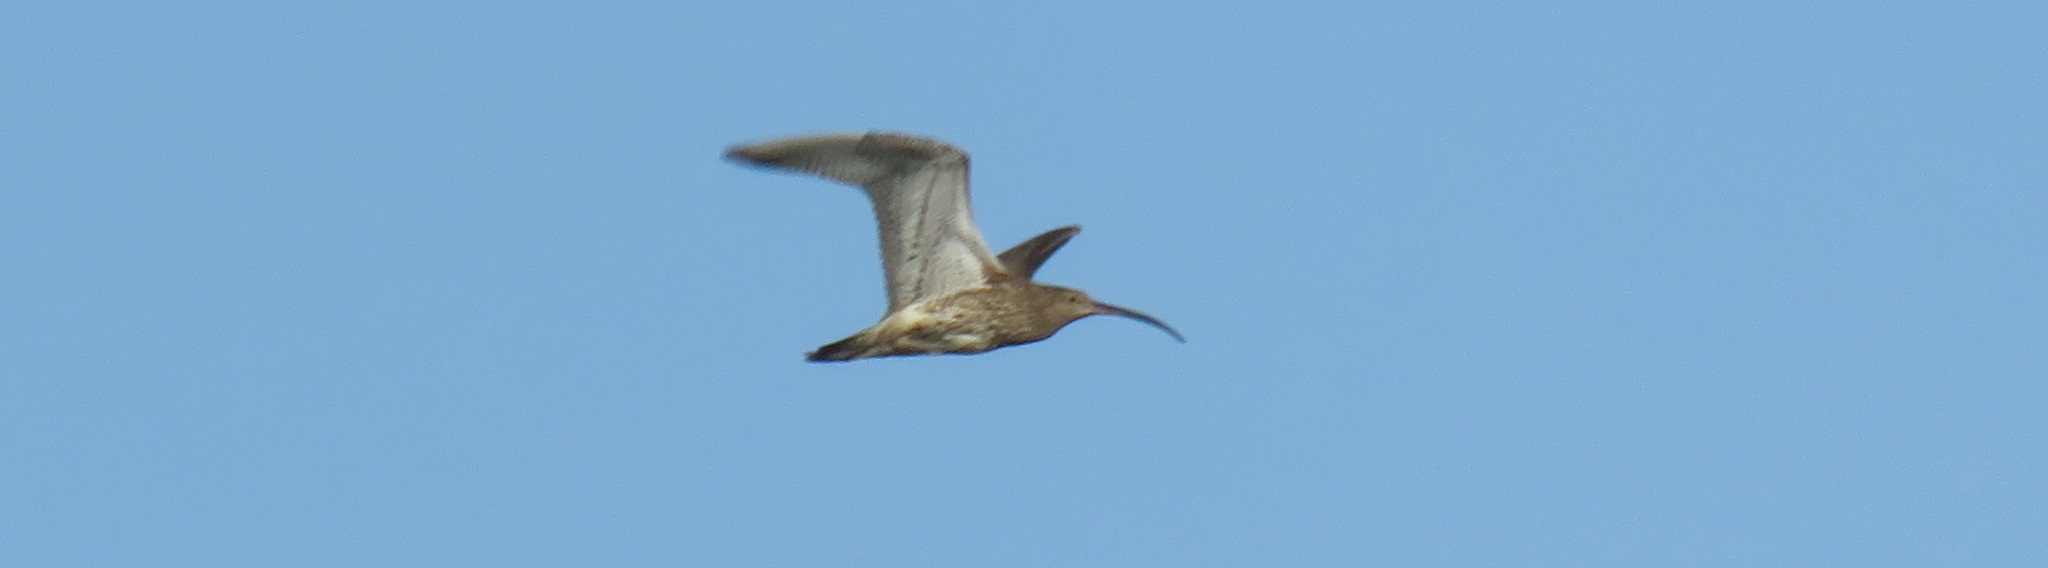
x: 947, y: 292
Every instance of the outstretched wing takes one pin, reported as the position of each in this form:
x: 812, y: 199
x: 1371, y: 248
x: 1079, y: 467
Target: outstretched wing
x: 930, y: 246
x: 1025, y: 258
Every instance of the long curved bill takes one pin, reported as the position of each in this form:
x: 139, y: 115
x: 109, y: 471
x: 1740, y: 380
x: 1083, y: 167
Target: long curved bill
x: 1105, y: 309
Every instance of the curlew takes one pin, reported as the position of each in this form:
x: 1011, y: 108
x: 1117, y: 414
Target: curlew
x: 947, y: 292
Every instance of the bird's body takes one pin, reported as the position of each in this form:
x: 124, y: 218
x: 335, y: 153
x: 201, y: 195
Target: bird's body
x: 970, y: 320
x: 947, y: 292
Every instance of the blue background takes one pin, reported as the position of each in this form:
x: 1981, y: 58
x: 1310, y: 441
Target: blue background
x: 1475, y: 284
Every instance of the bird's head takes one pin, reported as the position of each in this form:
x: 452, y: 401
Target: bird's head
x: 1068, y: 304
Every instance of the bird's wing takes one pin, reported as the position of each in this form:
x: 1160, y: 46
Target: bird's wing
x: 1024, y: 259
x: 930, y: 246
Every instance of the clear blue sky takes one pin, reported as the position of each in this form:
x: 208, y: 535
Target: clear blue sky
x: 1584, y: 284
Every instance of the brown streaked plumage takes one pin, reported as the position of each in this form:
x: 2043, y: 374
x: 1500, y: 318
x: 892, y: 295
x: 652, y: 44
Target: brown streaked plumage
x: 947, y: 292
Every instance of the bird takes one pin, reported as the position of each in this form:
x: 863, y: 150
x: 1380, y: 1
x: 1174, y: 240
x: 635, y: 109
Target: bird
x: 948, y: 294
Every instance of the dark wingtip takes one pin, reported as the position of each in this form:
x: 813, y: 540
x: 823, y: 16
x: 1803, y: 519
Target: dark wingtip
x: 823, y: 357
x: 834, y: 352
x: 750, y: 155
